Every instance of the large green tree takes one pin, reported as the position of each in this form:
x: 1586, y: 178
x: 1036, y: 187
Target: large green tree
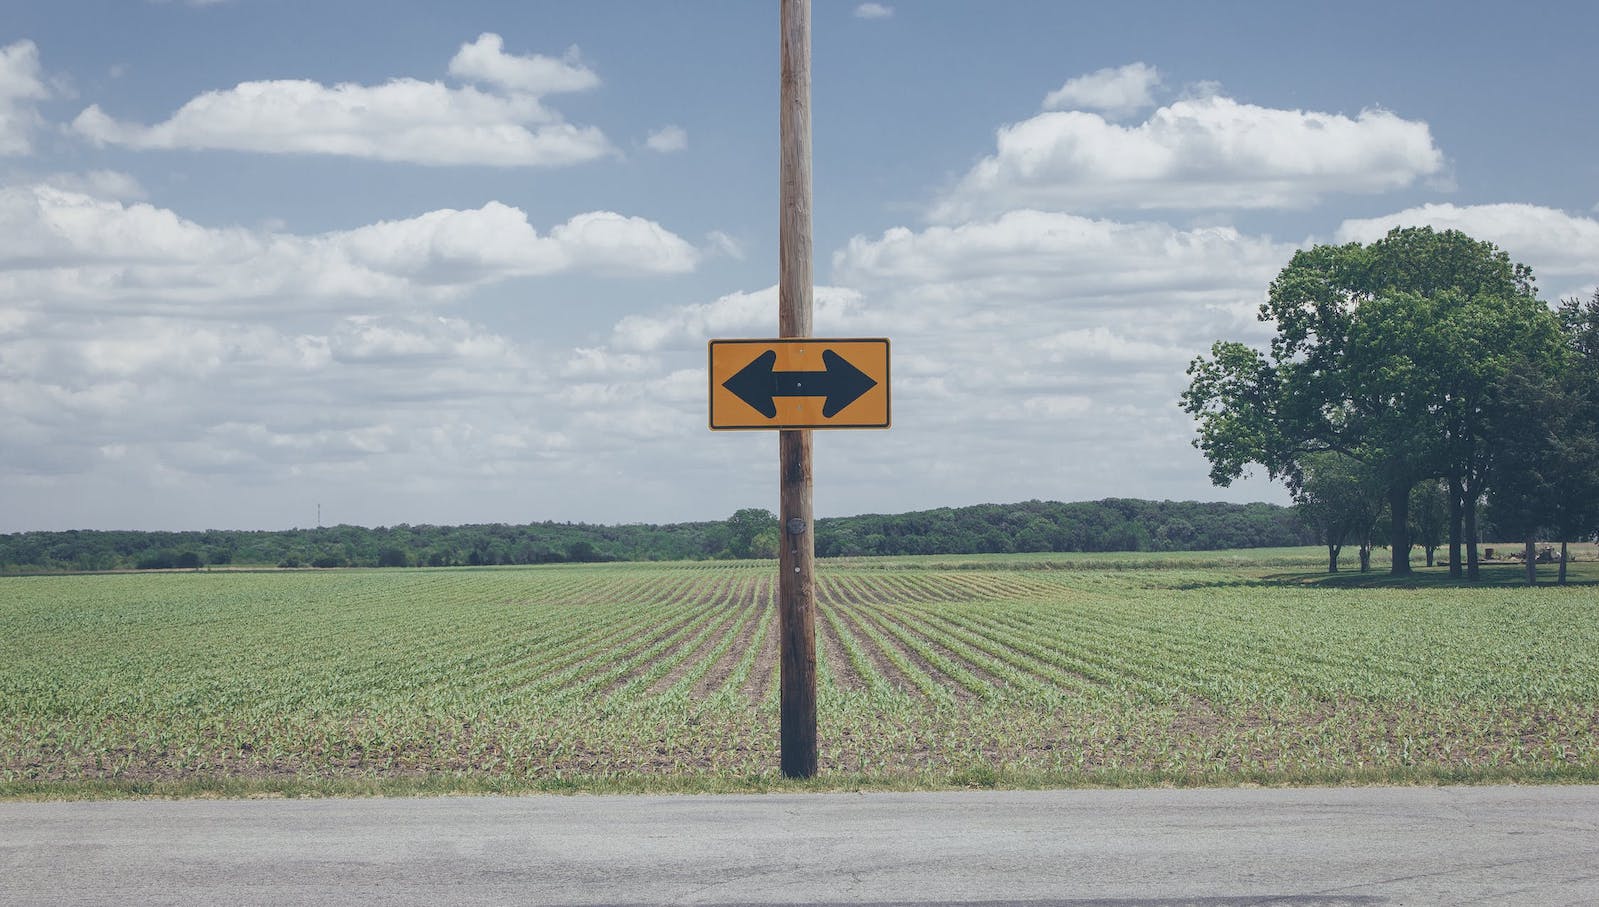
x: 1386, y: 353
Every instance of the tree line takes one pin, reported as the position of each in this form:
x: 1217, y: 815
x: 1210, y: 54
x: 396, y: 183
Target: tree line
x: 1413, y: 389
x: 1033, y: 526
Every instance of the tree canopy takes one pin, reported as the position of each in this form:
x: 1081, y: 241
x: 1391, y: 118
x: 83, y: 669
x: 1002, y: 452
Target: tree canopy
x: 1393, y: 354
x: 1114, y: 524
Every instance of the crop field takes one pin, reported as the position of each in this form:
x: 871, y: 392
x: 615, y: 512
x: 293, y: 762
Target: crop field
x: 932, y: 672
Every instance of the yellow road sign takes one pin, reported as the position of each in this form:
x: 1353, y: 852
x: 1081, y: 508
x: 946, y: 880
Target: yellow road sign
x: 799, y: 382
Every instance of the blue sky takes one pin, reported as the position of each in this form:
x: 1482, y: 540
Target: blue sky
x: 458, y: 262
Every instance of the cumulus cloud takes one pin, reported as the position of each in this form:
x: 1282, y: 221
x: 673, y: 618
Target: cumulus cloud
x: 1199, y: 153
x: 99, y: 183
x: 401, y: 120
x: 485, y: 60
x: 141, y: 350
x: 1556, y: 244
x: 496, y: 240
x: 873, y: 11
x: 77, y: 249
x: 1074, y: 260
x: 667, y: 139
x: 21, y: 88
x: 180, y: 397
x: 741, y: 314
x: 415, y: 339
x: 1118, y: 91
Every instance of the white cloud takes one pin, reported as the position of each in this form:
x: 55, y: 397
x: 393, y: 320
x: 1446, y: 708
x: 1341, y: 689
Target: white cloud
x: 415, y: 339
x: 447, y: 246
x: 738, y: 314
x: 20, y: 88
x: 1201, y: 153
x: 485, y: 60
x: 873, y: 11
x: 75, y: 249
x: 600, y: 362
x: 719, y: 243
x: 1118, y: 91
x: 183, y: 398
x: 1101, y: 343
x: 1556, y: 244
x: 99, y: 183
x: 142, y: 350
x: 1037, y: 255
x: 401, y: 120
x: 667, y: 139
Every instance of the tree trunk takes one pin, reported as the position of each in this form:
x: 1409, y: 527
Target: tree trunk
x: 1332, y: 558
x: 1431, y: 550
x: 1563, y: 557
x: 1455, y: 494
x: 1365, y: 557
x: 1399, y: 533
x: 1470, y: 507
x: 1532, y: 561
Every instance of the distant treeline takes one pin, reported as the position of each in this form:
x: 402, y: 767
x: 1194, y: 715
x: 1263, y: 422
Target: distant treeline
x: 1113, y: 524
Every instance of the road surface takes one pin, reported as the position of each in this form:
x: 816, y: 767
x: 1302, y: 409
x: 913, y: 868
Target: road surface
x: 1501, y: 845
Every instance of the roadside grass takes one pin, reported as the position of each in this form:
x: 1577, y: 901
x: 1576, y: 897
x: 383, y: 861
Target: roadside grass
x: 979, y: 778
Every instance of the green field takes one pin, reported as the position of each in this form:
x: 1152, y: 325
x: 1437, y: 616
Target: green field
x: 1209, y: 668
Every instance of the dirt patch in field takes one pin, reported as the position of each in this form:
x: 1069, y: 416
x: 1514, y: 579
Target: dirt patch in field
x: 749, y: 609
x: 875, y: 653
x: 759, y: 680
x: 939, y: 678
x: 980, y: 673
x: 729, y: 613
x: 682, y: 625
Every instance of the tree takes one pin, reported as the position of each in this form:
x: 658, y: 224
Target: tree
x: 1335, y: 495
x: 1429, y: 515
x: 744, y: 529
x: 1577, y: 515
x: 393, y: 557
x: 1544, y: 474
x: 1381, y: 353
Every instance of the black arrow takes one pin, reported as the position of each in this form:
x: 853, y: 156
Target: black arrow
x: 759, y: 386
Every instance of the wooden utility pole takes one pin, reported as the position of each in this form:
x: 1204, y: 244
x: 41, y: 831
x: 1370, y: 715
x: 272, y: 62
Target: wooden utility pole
x: 796, y: 587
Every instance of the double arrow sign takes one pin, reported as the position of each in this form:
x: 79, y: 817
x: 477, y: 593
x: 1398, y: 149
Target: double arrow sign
x: 799, y: 382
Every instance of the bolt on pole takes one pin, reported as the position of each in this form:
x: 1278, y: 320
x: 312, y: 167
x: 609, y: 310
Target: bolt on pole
x: 797, y: 556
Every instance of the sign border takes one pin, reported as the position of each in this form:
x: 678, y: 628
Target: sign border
x: 710, y: 384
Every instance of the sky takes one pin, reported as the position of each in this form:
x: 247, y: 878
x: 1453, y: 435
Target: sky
x: 406, y: 262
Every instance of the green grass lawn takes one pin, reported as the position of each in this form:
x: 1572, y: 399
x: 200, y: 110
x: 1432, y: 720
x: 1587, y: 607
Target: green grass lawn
x: 1020, y: 670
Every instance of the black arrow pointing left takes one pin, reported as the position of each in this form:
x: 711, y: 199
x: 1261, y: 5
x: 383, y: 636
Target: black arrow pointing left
x: 759, y: 384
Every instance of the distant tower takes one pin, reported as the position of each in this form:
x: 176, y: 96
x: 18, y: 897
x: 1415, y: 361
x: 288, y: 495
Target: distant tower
x: 319, y: 515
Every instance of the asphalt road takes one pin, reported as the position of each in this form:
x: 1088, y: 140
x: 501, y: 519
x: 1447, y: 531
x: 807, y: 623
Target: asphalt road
x: 1499, y: 845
